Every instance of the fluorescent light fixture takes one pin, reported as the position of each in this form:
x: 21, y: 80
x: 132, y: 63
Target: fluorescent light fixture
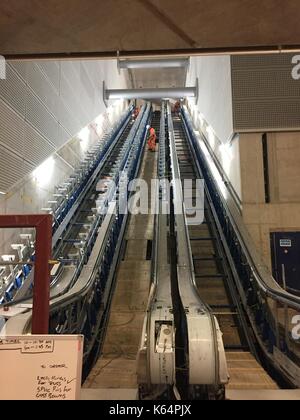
x: 44, y: 172
x: 226, y: 150
x: 99, y: 120
x: 8, y: 258
x: 211, y: 136
x: 99, y: 124
x: 214, y: 169
x: 110, y: 110
x: 84, y: 136
x: 202, y: 119
x: 2, y: 193
x: 226, y: 156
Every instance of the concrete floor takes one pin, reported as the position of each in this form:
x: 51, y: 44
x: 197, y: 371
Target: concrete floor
x: 232, y: 395
x: 247, y: 374
x: 263, y: 395
x: 109, y: 395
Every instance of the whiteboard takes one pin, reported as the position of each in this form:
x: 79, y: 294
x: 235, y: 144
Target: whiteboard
x: 41, y: 367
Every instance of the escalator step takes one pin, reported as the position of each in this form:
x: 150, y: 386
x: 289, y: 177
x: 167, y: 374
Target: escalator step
x: 211, y: 276
x: 235, y: 347
x: 208, y: 259
x: 203, y: 239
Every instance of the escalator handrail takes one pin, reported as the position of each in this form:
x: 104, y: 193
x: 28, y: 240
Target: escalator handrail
x: 188, y: 289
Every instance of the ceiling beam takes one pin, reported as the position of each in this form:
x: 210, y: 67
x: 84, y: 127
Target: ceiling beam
x: 100, y: 55
x: 168, y: 22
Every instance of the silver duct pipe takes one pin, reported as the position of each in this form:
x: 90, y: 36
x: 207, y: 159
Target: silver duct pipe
x: 153, y: 64
x: 159, y: 93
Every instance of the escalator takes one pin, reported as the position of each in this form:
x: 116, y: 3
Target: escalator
x: 169, y: 306
x: 257, y: 316
x: 82, y: 291
x: 215, y: 283
x: 116, y: 367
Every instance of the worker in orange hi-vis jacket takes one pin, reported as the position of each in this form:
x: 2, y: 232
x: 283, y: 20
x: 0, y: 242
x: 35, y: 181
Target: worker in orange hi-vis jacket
x: 177, y: 108
x: 152, y: 140
x: 136, y: 112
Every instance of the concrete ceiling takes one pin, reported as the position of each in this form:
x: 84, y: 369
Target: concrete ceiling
x: 137, y: 26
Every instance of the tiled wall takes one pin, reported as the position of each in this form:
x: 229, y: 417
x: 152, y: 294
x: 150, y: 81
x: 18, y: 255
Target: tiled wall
x: 43, y: 105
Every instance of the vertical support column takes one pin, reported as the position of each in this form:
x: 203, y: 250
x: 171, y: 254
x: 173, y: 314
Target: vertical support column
x: 41, y: 291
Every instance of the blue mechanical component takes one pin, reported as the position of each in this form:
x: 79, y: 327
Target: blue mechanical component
x: 8, y: 296
x: 26, y: 270
x: 71, y: 199
x: 84, y: 180
x: 9, y: 293
x: 18, y: 282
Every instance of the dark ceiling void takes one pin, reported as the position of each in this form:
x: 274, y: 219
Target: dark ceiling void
x: 134, y: 28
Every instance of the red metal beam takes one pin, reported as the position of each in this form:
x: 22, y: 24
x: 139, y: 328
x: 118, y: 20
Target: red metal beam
x: 43, y: 249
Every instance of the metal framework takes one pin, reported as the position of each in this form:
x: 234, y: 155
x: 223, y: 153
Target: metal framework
x: 187, y: 52
x: 43, y: 249
x: 64, y: 206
